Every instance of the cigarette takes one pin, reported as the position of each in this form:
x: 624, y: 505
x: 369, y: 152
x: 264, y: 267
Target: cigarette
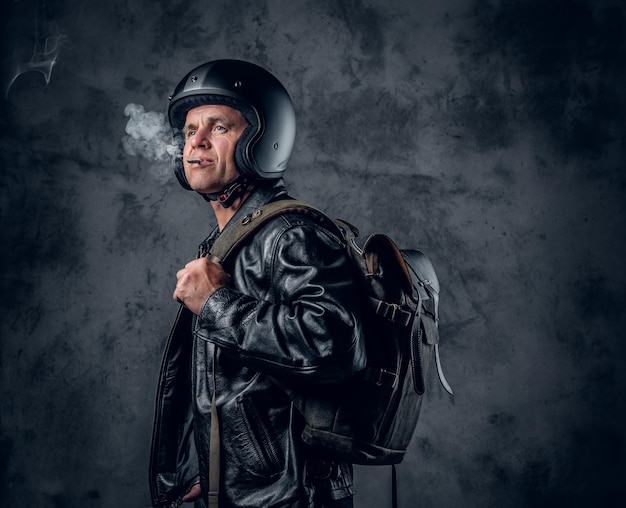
x: 194, y: 161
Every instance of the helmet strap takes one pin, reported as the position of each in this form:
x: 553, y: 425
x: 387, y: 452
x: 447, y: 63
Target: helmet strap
x: 230, y: 193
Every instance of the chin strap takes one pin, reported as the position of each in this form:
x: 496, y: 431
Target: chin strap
x: 230, y: 193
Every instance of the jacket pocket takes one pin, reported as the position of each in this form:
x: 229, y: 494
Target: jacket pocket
x: 260, y: 439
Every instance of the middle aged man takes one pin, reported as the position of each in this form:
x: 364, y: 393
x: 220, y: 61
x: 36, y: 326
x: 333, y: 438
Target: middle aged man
x: 284, y: 317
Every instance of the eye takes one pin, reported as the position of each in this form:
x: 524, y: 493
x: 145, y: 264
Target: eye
x: 190, y: 133
x: 220, y: 128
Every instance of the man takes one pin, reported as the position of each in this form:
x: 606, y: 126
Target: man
x: 282, y: 316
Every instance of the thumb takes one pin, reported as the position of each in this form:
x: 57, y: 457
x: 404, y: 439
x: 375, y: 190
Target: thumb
x: 193, y: 494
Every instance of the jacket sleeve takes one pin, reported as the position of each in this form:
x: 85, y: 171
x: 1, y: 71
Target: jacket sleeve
x: 293, y: 310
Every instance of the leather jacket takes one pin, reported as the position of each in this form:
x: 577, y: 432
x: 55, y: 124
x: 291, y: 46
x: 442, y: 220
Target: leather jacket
x: 288, y: 319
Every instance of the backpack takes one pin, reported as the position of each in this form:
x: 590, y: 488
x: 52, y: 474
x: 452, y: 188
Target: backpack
x: 370, y: 419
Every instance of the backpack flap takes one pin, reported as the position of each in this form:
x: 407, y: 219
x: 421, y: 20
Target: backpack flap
x: 426, y: 284
x: 379, y: 251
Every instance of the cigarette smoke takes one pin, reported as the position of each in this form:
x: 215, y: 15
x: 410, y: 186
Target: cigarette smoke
x: 42, y: 60
x: 148, y: 135
x: 33, y: 41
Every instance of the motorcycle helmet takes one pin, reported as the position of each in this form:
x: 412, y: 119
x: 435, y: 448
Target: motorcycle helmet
x: 263, y: 151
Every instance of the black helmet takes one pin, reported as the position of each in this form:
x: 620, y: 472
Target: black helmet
x: 264, y: 148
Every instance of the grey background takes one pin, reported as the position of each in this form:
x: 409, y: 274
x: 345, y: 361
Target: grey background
x: 489, y: 134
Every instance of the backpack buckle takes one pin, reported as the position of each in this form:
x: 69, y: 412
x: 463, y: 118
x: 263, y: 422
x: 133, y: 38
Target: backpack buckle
x: 393, y: 312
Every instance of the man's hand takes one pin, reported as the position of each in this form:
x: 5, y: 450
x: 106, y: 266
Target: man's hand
x: 193, y: 494
x: 197, y: 281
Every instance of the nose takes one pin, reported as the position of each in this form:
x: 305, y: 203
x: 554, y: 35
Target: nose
x: 201, y: 138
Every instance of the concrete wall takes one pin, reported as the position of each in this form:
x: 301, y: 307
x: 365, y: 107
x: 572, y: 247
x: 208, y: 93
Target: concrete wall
x: 489, y: 134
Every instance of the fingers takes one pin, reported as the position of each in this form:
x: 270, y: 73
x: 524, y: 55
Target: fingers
x: 198, y: 280
x: 198, y: 262
x: 192, y: 265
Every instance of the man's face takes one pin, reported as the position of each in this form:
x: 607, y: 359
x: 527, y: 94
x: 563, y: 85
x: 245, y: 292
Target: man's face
x: 211, y: 134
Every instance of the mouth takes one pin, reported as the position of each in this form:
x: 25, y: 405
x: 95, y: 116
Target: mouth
x: 199, y: 161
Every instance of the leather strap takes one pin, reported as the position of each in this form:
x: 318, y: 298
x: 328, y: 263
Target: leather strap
x: 214, y: 450
x: 394, y: 487
x: 231, y: 238
x: 391, y: 311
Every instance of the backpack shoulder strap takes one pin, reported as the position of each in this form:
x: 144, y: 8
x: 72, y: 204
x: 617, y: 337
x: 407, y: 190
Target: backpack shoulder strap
x: 235, y: 234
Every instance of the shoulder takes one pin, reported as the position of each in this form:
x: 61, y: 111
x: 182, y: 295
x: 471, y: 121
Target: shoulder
x: 297, y: 227
x: 295, y: 238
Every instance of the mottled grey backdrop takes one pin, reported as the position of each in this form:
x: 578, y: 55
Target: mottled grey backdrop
x: 488, y: 133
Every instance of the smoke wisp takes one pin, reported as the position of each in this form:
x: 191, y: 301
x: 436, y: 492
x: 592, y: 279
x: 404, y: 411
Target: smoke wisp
x: 148, y: 135
x: 43, y: 59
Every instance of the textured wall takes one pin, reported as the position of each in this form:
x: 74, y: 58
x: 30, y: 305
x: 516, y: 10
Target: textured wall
x: 488, y: 133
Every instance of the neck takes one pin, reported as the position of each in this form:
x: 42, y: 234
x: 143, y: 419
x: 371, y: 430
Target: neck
x: 223, y: 215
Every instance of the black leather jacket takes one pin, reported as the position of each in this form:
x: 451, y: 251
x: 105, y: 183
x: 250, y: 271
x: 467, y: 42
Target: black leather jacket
x: 289, y: 318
